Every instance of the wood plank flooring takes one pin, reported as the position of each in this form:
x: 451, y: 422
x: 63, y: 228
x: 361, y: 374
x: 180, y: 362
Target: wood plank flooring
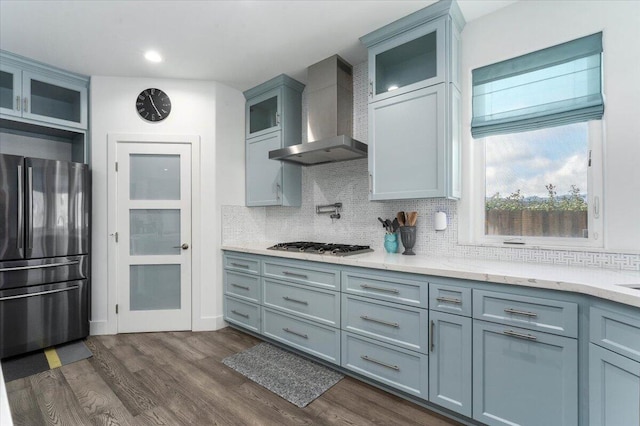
x: 178, y: 379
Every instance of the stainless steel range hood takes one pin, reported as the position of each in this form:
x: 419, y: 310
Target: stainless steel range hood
x: 330, y: 117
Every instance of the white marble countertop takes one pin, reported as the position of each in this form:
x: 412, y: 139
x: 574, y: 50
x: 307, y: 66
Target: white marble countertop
x: 604, y: 283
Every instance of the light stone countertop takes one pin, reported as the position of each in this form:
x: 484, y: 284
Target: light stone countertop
x: 603, y: 283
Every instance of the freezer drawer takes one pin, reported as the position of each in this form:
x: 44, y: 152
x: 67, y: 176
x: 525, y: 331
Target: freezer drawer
x: 37, y: 317
x: 23, y: 273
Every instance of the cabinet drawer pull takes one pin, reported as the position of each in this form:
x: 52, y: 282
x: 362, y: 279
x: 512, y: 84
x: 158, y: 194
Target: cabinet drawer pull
x: 241, y: 286
x: 523, y: 313
x: 519, y: 335
x: 384, y: 364
x: 449, y: 300
x: 304, y: 336
x: 431, y: 338
x: 302, y: 302
x: 388, y: 290
x: 239, y: 265
x: 390, y: 324
x: 240, y: 314
x: 293, y: 274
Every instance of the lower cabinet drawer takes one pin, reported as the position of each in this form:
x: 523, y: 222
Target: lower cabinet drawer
x: 311, y: 303
x: 399, y: 325
x: 404, y: 370
x: 242, y: 313
x: 616, y: 331
x: 547, y: 315
x: 307, y: 336
x: 242, y: 286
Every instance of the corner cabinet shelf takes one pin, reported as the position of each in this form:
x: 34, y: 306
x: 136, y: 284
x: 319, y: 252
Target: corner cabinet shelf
x: 414, y: 105
x: 43, y: 110
x: 273, y: 116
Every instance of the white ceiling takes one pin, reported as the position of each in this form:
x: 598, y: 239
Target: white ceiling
x: 239, y: 43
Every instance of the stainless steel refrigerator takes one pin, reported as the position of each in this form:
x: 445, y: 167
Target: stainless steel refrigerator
x: 44, y: 247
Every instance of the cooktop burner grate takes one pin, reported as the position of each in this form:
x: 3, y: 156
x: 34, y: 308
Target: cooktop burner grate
x: 321, y: 248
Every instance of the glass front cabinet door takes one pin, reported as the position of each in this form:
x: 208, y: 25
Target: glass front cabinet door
x: 10, y: 88
x: 54, y: 101
x: 411, y: 61
x: 33, y: 92
x: 264, y: 113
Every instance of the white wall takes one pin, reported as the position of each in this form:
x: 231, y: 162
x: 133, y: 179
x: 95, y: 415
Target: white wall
x: 210, y: 110
x: 531, y: 25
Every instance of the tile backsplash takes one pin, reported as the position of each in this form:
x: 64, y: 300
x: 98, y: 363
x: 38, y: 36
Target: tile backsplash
x: 347, y: 182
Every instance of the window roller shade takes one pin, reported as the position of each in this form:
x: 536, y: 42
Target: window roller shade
x: 550, y: 87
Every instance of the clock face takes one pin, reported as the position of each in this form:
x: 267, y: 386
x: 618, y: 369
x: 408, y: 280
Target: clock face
x: 153, y: 105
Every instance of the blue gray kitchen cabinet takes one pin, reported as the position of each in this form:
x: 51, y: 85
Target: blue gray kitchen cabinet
x: 414, y: 105
x: 523, y: 377
x: 36, y: 93
x: 614, y: 366
x: 450, y: 346
x: 273, y: 115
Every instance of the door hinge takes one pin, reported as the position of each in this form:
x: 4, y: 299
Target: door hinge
x: 116, y: 166
x: 116, y: 308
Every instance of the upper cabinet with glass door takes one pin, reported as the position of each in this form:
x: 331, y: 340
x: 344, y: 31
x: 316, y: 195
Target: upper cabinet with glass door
x: 38, y: 94
x: 411, y: 61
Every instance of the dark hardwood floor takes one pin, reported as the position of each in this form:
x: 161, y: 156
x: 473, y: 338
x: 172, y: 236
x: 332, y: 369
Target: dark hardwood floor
x: 178, y: 379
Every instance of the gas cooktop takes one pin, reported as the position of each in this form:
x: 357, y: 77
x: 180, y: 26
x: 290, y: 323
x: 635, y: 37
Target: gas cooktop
x: 321, y: 248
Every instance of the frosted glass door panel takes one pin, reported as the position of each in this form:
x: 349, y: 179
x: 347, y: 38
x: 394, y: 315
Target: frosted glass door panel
x: 154, y: 232
x: 154, y: 177
x: 154, y: 287
x: 263, y: 115
x: 406, y: 64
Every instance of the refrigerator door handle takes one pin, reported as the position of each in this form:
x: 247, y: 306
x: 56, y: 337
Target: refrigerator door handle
x: 40, y: 293
x: 20, y: 210
x: 29, y: 208
x: 48, y: 265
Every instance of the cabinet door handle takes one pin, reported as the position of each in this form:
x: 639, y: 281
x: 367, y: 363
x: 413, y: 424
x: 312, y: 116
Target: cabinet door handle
x: 431, y: 339
x: 25, y: 102
x: 519, y: 335
x: 388, y: 290
x: 449, y: 300
x: 384, y: 364
x: 523, y: 313
x: 304, y: 336
x: 17, y: 103
x: 370, y: 183
x: 278, y: 190
x: 371, y: 88
x: 240, y: 314
x: 390, y: 324
x: 277, y: 118
x: 240, y: 286
x: 288, y: 299
x: 293, y: 274
x: 239, y: 265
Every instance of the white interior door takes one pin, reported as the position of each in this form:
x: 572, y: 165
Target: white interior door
x: 154, y: 237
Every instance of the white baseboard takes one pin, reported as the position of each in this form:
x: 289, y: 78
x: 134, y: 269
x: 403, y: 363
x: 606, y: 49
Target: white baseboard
x: 98, y: 328
x: 209, y: 323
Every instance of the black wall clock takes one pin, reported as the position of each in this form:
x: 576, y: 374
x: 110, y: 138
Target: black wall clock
x: 153, y: 105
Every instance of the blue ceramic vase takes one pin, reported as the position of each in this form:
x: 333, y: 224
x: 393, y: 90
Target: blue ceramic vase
x: 391, y: 243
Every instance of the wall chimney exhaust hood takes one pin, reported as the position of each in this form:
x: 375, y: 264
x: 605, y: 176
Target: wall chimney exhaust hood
x: 330, y: 118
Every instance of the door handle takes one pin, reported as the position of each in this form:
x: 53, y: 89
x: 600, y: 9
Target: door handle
x: 184, y: 246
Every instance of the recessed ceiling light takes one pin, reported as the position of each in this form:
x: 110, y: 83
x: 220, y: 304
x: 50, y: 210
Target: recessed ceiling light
x: 153, y: 56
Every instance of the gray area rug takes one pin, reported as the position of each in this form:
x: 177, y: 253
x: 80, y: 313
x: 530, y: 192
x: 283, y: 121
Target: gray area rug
x: 289, y: 376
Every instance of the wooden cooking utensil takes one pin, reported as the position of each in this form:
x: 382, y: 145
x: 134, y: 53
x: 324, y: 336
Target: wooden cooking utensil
x: 401, y: 218
x: 412, y: 218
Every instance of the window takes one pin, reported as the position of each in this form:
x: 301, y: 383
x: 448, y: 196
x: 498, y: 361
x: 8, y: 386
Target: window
x: 536, y: 121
